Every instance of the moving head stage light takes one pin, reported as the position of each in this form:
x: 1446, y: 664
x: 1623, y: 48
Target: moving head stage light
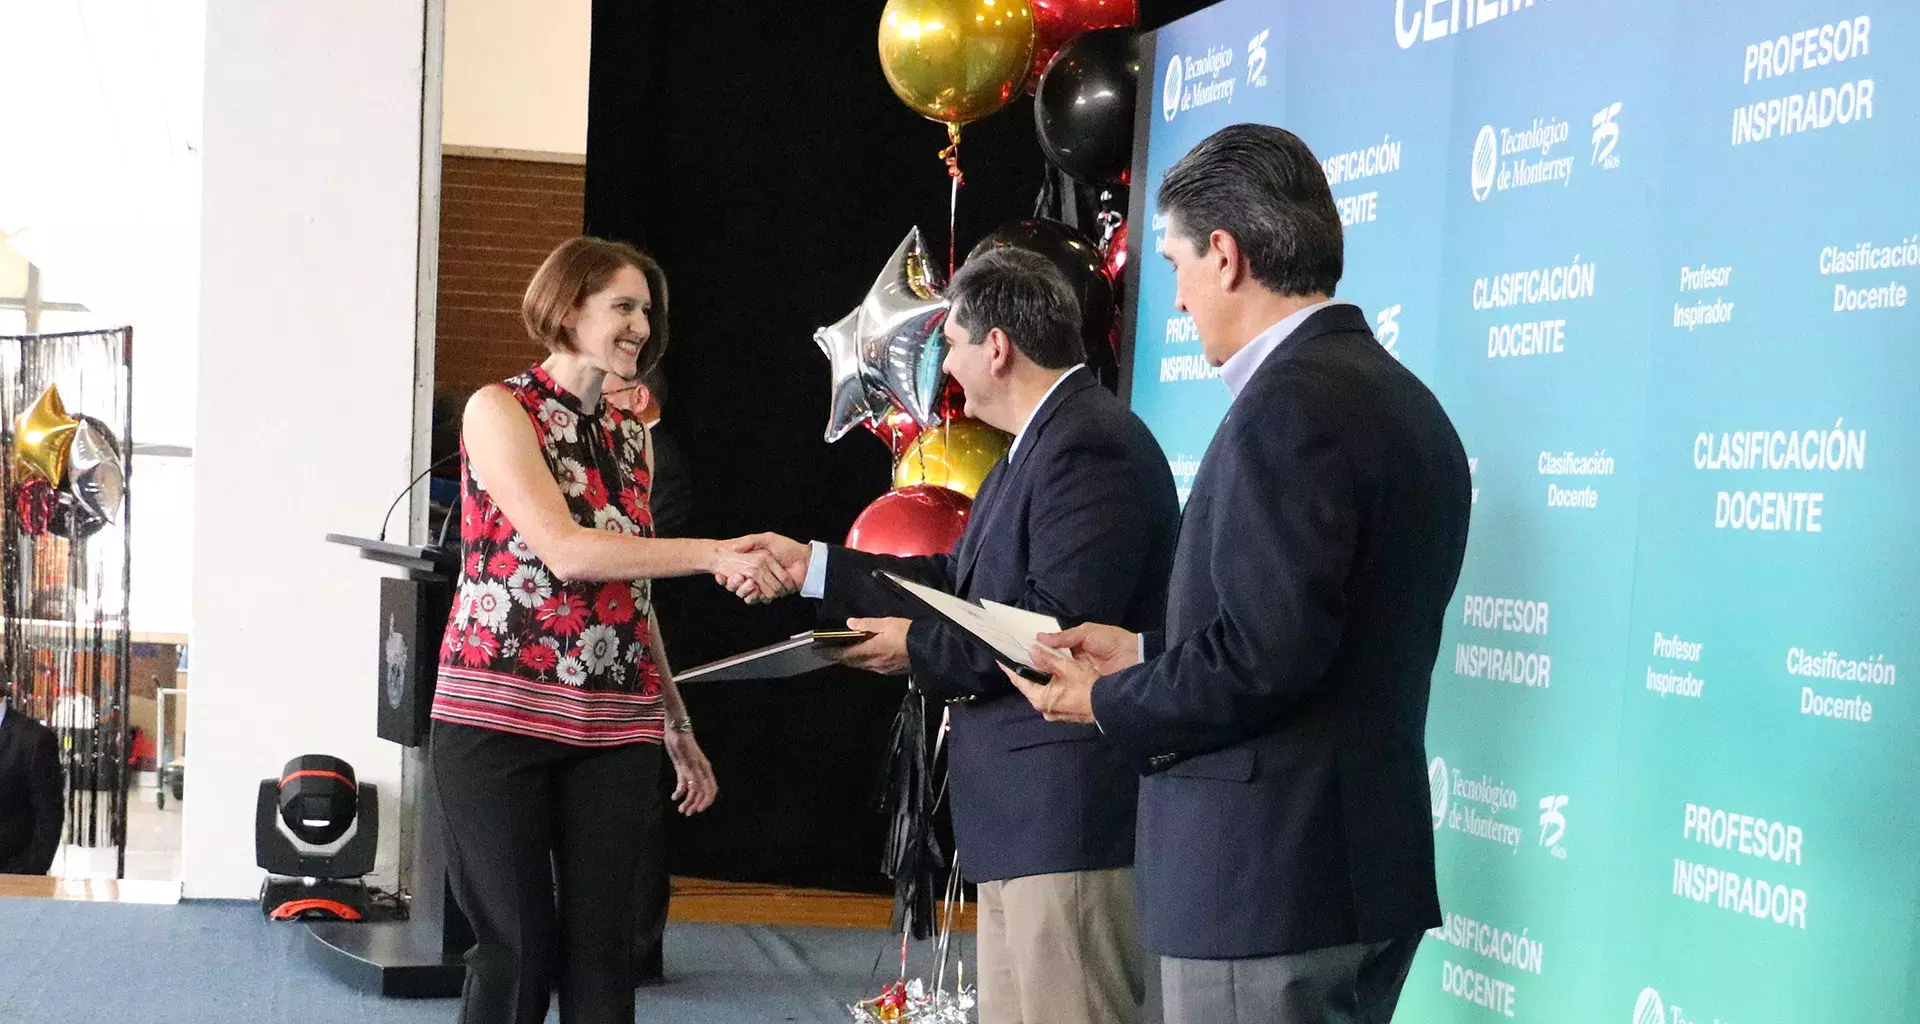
x: 315, y: 830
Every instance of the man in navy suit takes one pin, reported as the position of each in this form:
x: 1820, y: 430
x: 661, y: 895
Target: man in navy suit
x: 1078, y: 523
x: 1285, y: 868
x: 32, y: 795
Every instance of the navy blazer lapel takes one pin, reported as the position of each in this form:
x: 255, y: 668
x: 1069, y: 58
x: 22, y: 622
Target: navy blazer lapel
x: 1042, y: 416
x: 993, y: 492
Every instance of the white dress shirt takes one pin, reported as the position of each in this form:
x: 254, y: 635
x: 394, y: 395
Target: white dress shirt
x: 1238, y: 370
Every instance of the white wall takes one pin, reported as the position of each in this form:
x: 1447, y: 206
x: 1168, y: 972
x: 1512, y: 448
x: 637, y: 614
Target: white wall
x: 516, y: 74
x: 109, y: 92
x: 306, y: 377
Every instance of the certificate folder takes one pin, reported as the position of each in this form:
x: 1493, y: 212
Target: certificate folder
x: 1008, y: 630
x: 794, y: 656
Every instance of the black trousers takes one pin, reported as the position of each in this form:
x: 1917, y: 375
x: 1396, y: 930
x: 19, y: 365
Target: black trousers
x: 656, y: 888
x: 544, y: 841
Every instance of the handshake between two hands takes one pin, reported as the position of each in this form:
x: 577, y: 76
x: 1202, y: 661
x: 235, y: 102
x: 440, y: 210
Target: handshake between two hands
x: 761, y: 567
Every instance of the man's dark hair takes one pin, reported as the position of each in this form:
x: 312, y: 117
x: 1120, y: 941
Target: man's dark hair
x: 1261, y: 185
x: 1025, y: 295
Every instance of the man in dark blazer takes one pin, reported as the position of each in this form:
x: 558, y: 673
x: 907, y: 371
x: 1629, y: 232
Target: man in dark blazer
x: 1078, y: 523
x: 1285, y: 867
x: 32, y: 797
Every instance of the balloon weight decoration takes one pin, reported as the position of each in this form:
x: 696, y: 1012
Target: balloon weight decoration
x: 956, y: 61
x: 1057, y: 22
x: 911, y: 521
x: 1083, y: 110
x: 957, y: 455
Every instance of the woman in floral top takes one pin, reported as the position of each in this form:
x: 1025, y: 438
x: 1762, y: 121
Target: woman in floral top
x: 554, y: 696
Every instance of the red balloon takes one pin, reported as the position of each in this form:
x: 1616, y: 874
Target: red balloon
x: 919, y: 520
x: 35, y: 504
x: 897, y: 430
x: 953, y: 401
x: 1056, y: 22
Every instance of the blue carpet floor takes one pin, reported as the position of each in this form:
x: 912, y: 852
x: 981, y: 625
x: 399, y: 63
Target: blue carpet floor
x: 222, y: 963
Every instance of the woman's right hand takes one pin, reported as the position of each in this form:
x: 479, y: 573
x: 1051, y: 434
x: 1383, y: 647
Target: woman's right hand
x: 755, y: 574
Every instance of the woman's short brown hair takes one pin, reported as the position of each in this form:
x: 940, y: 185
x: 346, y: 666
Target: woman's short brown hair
x: 578, y: 268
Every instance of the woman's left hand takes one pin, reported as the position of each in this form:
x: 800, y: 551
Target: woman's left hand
x: 695, y: 788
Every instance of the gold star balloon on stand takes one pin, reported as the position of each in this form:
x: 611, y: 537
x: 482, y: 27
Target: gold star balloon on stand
x: 42, y: 437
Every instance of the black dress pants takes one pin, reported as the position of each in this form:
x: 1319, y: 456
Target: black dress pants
x: 656, y: 889
x: 525, y: 815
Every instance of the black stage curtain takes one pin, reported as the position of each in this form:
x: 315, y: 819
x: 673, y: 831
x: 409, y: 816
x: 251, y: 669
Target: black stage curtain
x: 755, y: 149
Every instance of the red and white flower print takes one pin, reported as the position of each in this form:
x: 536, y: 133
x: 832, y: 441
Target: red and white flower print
x: 634, y: 504
x: 615, y: 604
x: 530, y: 586
x: 571, y: 475
x: 488, y: 603
x: 498, y: 528
x: 539, y: 657
x: 521, y: 549
x: 511, y: 614
x: 607, y: 517
x: 596, y: 492
x: 481, y: 647
x: 599, y: 647
x: 560, y: 421
x: 563, y: 614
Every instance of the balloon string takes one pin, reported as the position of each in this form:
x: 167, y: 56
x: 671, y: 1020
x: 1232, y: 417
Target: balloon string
x: 951, y: 155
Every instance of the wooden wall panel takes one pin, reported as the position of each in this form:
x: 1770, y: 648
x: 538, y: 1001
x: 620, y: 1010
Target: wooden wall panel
x: 498, y: 220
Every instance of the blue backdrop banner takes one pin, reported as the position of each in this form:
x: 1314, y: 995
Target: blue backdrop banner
x: 1655, y: 259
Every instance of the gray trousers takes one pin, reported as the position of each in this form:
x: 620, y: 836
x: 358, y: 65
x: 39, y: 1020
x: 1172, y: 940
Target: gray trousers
x: 1357, y: 984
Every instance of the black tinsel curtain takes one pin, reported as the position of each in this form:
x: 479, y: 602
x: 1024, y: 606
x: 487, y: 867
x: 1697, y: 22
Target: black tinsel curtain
x: 65, y: 568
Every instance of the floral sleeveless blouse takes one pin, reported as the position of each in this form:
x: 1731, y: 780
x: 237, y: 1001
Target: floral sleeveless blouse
x: 526, y: 652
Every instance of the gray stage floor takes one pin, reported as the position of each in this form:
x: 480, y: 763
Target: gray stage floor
x: 222, y: 963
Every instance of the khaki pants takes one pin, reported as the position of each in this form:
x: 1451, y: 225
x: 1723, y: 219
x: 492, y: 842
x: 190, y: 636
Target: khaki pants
x: 1060, y: 949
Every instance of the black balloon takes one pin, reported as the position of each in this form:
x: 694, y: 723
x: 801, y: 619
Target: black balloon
x: 1083, y: 109
x: 73, y: 520
x: 1079, y: 260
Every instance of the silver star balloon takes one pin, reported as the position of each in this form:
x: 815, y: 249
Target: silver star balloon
x: 853, y: 400
x: 893, y: 340
x: 94, y: 475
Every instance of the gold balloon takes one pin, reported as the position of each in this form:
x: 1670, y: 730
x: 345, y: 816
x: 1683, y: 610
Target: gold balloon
x: 956, y: 60
x: 41, y: 439
x: 956, y: 455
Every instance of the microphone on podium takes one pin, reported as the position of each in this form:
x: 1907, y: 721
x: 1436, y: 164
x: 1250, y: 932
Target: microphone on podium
x: 386, y: 520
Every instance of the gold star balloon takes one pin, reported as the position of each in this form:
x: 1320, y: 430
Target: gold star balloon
x: 42, y: 437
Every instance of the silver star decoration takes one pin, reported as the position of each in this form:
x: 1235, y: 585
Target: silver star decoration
x: 888, y: 350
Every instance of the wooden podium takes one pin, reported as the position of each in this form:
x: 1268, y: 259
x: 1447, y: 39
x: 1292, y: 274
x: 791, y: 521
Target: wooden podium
x: 422, y: 956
